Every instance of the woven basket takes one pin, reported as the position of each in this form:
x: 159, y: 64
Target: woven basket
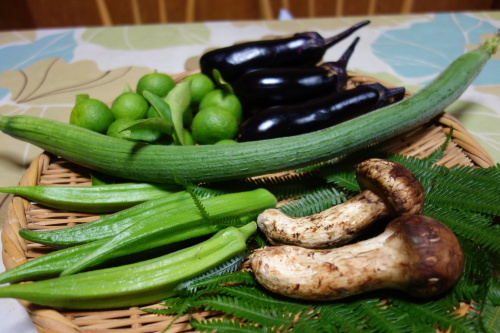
x: 47, y: 169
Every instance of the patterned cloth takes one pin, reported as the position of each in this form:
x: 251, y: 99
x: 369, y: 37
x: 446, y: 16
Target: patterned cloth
x: 41, y: 71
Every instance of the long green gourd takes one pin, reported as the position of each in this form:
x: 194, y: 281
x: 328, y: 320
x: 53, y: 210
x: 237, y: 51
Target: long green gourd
x: 92, y: 199
x: 134, y: 284
x: 155, y: 163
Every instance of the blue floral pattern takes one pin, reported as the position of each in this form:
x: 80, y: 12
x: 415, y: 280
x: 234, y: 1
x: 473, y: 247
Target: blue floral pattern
x: 423, y: 50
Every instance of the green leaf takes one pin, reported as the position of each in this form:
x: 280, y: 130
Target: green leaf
x: 224, y: 325
x: 220, y: 83
x: 147, y: 124
x: 160, y: 106
x: 179, y: 99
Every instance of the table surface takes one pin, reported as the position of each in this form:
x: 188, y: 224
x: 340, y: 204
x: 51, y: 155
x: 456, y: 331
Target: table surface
x: 41, y: 71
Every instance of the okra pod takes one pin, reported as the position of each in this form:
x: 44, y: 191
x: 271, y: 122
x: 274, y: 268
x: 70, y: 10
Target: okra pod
x: 185, y: 224
x: 177, y: 225
x: 134, y: 284
x: 92, y: 199
x: 108, y: 226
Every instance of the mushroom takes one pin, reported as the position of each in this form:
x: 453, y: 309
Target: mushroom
x: 389, y: 190
x: 415, y: 254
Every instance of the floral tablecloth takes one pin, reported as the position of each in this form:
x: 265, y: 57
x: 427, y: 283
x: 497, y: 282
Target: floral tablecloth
x: 41, y: 71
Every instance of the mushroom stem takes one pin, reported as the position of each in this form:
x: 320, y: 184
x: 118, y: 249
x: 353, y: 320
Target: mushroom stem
x: 389, y: 189
x: 332, y: 227
x: 416, y: 254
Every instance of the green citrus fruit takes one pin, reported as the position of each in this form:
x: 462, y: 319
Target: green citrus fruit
x: 130, y: 105
x: 224, y: 100
x: 213, y: 124
x: 147, y: 135
x: 157, y: 83
x: 91, y: 114
x: 200, y: 86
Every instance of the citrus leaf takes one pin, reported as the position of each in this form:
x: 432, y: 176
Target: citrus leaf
x: 179, y: 99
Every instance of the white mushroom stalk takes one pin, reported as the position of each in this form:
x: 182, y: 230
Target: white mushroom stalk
x: 389, y: 189
x: 415, y: 254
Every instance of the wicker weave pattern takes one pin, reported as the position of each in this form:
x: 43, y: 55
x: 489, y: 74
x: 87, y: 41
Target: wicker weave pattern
x: 47, y: 169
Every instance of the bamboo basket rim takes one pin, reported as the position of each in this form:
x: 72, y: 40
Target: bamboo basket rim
x: 47, y: 169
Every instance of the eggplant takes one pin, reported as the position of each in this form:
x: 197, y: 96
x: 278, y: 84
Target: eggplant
x: 302, y: 49
x: 317, y: 114
x: 263, y: 88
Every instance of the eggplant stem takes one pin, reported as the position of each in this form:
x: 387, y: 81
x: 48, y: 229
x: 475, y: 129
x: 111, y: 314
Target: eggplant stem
x: 327, y: 42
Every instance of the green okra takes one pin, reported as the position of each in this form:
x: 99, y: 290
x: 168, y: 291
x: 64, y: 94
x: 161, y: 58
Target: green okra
x: 184, y: 224
x: 108, y: 226
x: 134, y: 284
x: 175, y: 225
x: 92, y: 199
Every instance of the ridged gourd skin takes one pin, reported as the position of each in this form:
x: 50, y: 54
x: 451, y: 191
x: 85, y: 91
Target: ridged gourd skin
x: 155, y: 163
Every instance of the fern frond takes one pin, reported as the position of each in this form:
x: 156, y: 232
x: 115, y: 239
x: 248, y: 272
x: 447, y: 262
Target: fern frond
x: 209, y: 284
x: 468, y: 225
x: 488, y: 306
x: 247, y: 311
x: 259, y: 298
x: 172, y: 306
x: 339, y: 317
x: 344, y: 177
x: 312, y: 203
x: 440, y: 312
x: 426, y: 172
x: 224, y: 325
x: 377, y: 317
x: 229, y: 266
x: 468, y: 189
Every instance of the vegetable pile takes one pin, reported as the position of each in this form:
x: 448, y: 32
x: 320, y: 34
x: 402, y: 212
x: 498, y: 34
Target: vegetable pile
x: 171, y: 205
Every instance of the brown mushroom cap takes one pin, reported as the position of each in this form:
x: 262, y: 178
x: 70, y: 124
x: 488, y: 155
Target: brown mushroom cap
x: 393, y: 183
x: 437, y: 260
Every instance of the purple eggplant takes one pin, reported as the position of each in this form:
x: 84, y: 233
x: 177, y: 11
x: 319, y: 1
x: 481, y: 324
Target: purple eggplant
x: 317, y: 114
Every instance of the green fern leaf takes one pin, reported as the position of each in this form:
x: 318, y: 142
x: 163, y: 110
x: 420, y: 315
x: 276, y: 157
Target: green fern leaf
x: 468, y: 225
x: 440, y: 312
x: 488, y: 306
x: 313, y: 203
x: 468, y: 189
x: 224, y: 325
x: 210, y: 284
x: 229, y: 266
x: 339, y: 317
x: 377, y: 317
x: 259, y: 298
x: 247, y: 311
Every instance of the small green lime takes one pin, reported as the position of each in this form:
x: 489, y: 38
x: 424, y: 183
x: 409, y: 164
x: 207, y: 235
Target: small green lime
x: 200, y: 86
x: 116, y: 130
x: 224, y: 100
x: 159, y: 84
x: 91, y: 114
x: 213, y: 124
x: 130, y: 105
